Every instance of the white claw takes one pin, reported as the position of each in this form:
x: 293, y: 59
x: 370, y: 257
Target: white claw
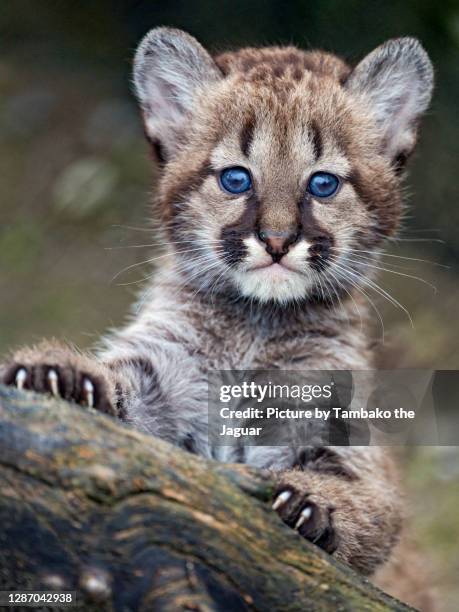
x: 53, y: 380
x: 281, y: 499
x: 304, y: 516
x: 21, y: 376
x: 88, y: 388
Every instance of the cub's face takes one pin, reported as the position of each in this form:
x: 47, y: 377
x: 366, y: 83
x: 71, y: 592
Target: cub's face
x: 280, y: 167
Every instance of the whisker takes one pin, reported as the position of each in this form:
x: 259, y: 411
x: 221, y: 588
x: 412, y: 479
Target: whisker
x: 357, y: 309
x: 421, y: 280
x: 131, y: 227
x: 161, y: 244
x: 203, y: 271
x: 380, y: 254
x: 360, y: 290
x: 189, y: 279
x: 327, y: 285
x: 197, y: 260
x: 151, y: 260
x: 378, y: 290
x: 437, y: 240
x: 215, y: 283
x: 373, y: 260
x: 423, y: 230
x: 321, y: 287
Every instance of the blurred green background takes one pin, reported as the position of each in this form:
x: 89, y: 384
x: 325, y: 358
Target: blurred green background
x: 75, y: 183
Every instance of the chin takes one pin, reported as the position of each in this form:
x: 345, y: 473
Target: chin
x: 273, y: 283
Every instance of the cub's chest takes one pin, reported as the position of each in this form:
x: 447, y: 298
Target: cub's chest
x: 242, y: 348
x: 289, y: 350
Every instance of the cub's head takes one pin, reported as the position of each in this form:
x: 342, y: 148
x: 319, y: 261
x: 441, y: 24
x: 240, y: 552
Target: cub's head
x: 280, y: 168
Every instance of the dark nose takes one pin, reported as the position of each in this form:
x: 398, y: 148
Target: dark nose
x: 277, y: 243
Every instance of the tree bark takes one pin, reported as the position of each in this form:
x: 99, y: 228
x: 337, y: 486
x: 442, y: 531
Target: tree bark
x: 133, y: 523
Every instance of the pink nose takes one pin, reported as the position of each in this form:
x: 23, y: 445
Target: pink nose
x: 277, y: 243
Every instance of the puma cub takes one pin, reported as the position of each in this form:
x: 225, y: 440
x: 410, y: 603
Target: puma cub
x: 280, y: 182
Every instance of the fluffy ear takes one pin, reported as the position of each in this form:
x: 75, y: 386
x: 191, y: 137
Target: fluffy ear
x: 169, y: 67
x: 397, y: 80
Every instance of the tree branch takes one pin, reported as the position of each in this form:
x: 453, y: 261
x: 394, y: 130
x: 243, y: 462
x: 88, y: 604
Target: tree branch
x: 133, y: 523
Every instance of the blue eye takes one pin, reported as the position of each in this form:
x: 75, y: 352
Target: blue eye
x: 235, y: 180
x: 323, y: 184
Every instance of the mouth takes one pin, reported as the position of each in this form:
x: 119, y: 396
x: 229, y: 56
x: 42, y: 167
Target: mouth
x: 273, y: 281
x: 277, y: 268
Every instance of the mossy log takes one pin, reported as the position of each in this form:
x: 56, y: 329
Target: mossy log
x: 132, y: 523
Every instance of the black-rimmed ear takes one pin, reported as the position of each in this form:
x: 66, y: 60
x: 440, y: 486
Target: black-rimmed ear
x: 397, y: 80
x: 169, y: 67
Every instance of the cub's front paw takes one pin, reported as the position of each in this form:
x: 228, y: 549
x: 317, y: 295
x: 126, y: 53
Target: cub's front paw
x: 352, y: 517
x: 312, y: 519
x: 61, y: 372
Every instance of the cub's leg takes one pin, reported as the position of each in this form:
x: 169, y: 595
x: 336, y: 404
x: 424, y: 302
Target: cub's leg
x: 351, y: 513
x: 54, y: 368
x: 158, y: 389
